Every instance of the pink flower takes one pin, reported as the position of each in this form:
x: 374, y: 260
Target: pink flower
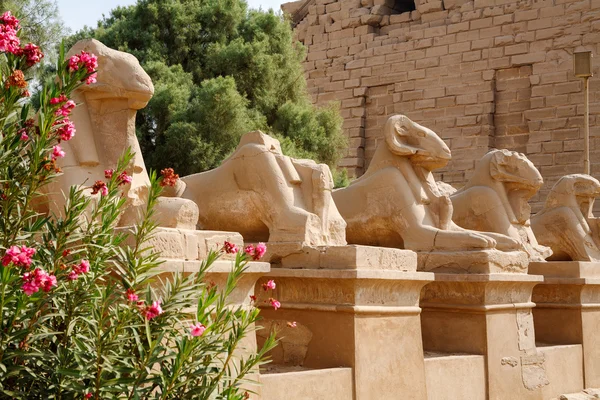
x: 91, y: 79
x: 269, y: 285
x: 82, y: 268
x: 249, y: 250
x: 49, y: 283
x: 65, y: 109
x: 100, y: 187
x: 131, y: 296
x: 20, y: 257
x: 276, y: 304
x: 87, y: 61
x: 229, y: 248
x: 123, y: 178
x: 74, y: 63
x: 256, y: 252
x: 261, y: 249
x: 33, y: 53
x: 67, y: 130
x: 108, y: 173
x: 73, y: 276
x: 198, y: 329
x: 9, y: 20
x: 9, y: 41
x: 58, y: 100
x: 87, y: 396
x: 153, y: 311
x: 33, y: 281
x: 29, y: 288
x: 90, y: 61
x: 57, y: 152
x: 24, y: 135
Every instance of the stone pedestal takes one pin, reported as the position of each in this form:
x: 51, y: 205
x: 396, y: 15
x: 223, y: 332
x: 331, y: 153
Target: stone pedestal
x: 188, y: 244
x: 568, y: 310
x: 358, y: 307
x: 217, y: 274
x: 490, y: 261
x: 490, y: 315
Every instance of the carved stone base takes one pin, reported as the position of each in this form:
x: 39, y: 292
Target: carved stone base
x: 568, y: 309
x: 217, y: 274
x: 473, y: 262
x: 295, y: 255
x: 188, y: 244
x: 490, y: 315
x: 566, y: 269
x: 357, y: 307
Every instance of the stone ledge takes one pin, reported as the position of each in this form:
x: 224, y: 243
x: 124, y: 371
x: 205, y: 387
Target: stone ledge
x: 354, y: 291
x: 473, y: 262
x: 350, y: 274
x: 294, y: 255
x: 493, y: 277
x: 329, y: 383
x: 586, y: 272
x: 479, y: 293
x: 187, y: 244
x: 219, y: 266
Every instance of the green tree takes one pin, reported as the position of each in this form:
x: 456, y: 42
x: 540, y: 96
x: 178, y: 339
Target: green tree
x: 219, y: 71
x: 40, y: 22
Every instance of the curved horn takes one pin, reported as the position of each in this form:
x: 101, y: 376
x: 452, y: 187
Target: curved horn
x: 393, y: 132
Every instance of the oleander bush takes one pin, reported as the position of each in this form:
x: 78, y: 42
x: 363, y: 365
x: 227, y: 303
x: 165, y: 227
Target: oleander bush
x: 82, y: 315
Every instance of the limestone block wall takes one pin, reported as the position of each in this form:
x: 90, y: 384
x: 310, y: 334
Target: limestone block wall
x: 482, y: 73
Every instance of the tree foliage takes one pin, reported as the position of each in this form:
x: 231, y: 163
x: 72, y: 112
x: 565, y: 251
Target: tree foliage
x: 85, y: 309
x: 219, y: 71
x: 40, y: 22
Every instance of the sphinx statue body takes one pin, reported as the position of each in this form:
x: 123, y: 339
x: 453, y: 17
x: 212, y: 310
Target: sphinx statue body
x: 567, y: 224
x: 267, y: 196
x: 397, y: 202
x: 105, y: 122
x: 496, y: 199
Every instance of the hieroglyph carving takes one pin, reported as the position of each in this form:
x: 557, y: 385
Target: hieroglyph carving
x: 265, y: 195
x: 496, y: 199
x: 566, y: 223
x: 397, y: 202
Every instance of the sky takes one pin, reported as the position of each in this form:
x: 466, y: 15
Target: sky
x: 77, y: 13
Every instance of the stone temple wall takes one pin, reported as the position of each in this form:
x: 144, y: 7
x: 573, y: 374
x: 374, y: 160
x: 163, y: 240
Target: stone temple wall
x: 483, y: 74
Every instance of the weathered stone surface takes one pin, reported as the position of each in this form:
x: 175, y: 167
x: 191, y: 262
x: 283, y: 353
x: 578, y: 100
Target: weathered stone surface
x: 570, y: 293
x: 455, y: 376
x: 488, y: 314
x: 188, y: 245
x: 563, y: 368
x: 293, y: 343
x: 105, y: 124
x: 353, y: 314
x: 267, y: 196
x: 474, y: 262
x: 484, y: 38
x: 331, y: 383
x: 340, y: 257
x: 496, y: 199
x: 397, y: 202
x: 566, y: 223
